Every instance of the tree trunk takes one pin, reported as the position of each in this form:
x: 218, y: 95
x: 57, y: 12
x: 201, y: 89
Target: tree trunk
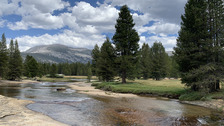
x: 124, y: 77
x: 217, y: 85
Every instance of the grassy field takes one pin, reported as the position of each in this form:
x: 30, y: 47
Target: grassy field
x: 167, y: 88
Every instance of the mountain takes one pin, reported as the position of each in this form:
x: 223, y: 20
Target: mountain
x: 57, y: 53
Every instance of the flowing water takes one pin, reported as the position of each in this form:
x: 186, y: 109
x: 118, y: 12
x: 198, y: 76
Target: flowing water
x: 76, y: 109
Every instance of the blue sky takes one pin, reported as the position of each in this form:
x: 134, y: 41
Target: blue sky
x: 84, y: 23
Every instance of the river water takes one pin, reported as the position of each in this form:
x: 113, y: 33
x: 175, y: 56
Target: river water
x: 77, y: 109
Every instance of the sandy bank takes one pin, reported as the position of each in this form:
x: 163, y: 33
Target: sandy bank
x: 14, y: 113
x: 7, y: 82
x: 86, y: 88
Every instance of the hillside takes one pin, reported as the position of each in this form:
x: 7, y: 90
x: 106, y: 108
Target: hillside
x: 57, y: 53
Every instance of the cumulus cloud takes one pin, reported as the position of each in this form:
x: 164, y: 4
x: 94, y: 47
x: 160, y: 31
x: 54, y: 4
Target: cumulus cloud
x: 8, y: 7
x: 160, y: 28
x: 101, y: 19
x: 85, y: 23
x: 68, y: 38
x: 37, y: 14
x: 168, y: 41
x: 169, y: 10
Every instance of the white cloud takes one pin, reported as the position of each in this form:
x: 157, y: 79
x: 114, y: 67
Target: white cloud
x: 100, y: 19
x: 20, y: 25
x: 168, y: 10
x: 43, y: 6
x: 38, y: 14
x: 142, y: 40
x: 8, y: 7
x: 68, y: 37
x: 141, y: 20
x: 168, y: 41
x: 160, y: 28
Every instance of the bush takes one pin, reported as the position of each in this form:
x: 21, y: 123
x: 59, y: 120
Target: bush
x: 193, y: 96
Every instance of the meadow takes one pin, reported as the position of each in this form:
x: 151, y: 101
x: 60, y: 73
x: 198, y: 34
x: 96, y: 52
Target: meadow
x: 171, y: 88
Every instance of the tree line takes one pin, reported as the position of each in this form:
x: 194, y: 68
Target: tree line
x: 32, y: 68
x: 12, y: 66
x: 123, y: 57
x: 151, y: 62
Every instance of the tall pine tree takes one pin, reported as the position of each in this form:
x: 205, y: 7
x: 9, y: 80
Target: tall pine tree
x: 216, y: 35
x: 126, y: 40
x: 31, y: 67
x: 191, y: 49
x: 106, y: 64
x: 14, y: 62
x: 18, y: 61
x: 3, y: 57
x: 95, y: 55
x: 159, y: 61
x: 11, y: 75
x: 146, y: 61
x: 200, y: 44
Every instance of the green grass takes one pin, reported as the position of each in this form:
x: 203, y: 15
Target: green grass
x: 80, y: 77
x: 192, y: 96
x: 166, y: 88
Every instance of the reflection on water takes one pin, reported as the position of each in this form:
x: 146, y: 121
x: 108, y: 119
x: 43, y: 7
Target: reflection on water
x: 77, y: 109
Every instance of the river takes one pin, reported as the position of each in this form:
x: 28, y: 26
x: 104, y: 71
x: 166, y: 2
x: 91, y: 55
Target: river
x: 76, y: 109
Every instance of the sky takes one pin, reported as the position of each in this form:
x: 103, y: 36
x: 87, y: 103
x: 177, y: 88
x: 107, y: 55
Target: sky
x: 85, y: 23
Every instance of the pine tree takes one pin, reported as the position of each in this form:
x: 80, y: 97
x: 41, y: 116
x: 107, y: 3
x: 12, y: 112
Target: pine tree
x: 53, y: 70
x: 106, y: 62
x: 191, y: 49
x: 126, y: 40
x: 200, y: 44
x: 146, y: 61
x: 3, y: 57
x: 15, y: 62
x: 174, y: 68
x: 159, y: 61
x: 40, y: 70
x: 95, y: 55
x: 216, y: 35
x: 18, y: 61
x: 66, y: 69
x: 31, y: 67
x: 89, y: 75
x: 11, y: 75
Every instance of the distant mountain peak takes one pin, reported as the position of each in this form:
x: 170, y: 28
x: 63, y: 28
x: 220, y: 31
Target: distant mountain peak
x: 58, y: 53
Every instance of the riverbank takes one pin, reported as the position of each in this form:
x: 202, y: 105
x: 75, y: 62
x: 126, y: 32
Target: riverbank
x: 7, y: 82
x: 14, y: 112
x: 86, y: 88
